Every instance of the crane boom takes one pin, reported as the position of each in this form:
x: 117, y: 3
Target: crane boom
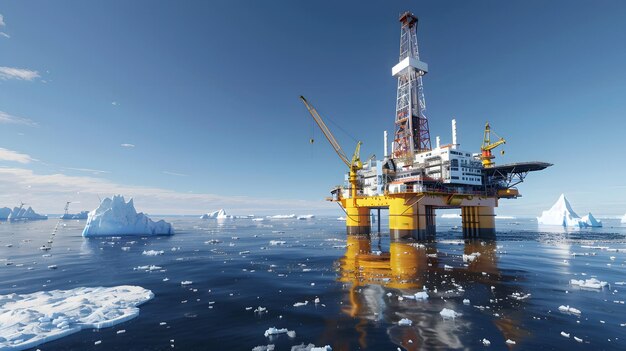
x: 486, y: 155
x: 327, y: 133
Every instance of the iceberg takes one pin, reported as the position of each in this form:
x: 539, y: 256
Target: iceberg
x: 219, y: 214
x: 290, y: 216
x: 118, y: 217
x: 591, y: 221
x: 24, y: 214
x: 80, y: 215
x: 303, y: 217
x: 32, y: 319
x: 561, y: 213
x: 5, y: 212
x: 623, y: 220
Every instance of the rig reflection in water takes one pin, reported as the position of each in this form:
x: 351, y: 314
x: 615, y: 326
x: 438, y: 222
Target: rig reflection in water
x: 381, y: 288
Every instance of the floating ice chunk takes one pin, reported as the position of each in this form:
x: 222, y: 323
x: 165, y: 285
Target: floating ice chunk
x: 578, y: 339
x: 405, y: 322
x: 118, y: 217
x: 32, y: 319
x: 219, y: 214
x: 152, y: 252
x: 520, y: 296
x: 304, y: 217
x: 186, y: 282
x: 310, y: 347
x: 466, y: 301
x: 317, y: 300
x: 291, y: 333
x: 290, y: 216
x: 269, y: 347
x: 260, y: 310
x: 510, y: 342
x: 421, y: 295
x: 592, y: 283
x: 147, y: 268
x: 568, y: 309
x: 486, y: 342
x: 623, y: 220
x: 275, y: 331
x: 565, y: 334
x: 448, y: 313
x: 299, y: 304
x: 471, y: 257
x: 446, y: 267
x: 277, y: 242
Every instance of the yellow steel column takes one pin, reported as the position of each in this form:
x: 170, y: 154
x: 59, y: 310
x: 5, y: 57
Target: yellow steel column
x: 486, y: 222
x: 431, y: 226
x: 478, y: 222
x: 357, y: 219
x: 406, y: 217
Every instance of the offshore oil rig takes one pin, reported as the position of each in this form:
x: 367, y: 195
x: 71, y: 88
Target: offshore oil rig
x: 415, y: 179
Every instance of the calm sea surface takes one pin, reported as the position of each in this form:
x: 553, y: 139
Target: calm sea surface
x: 514, y: 287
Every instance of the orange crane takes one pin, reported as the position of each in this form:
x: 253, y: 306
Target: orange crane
x: 486, y: 156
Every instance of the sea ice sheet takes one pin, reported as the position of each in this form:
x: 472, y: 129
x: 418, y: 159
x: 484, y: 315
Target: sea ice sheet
x: 32, y: 319
x: 118, y: 217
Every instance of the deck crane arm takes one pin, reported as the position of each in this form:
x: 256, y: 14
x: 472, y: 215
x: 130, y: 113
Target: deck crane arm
x: 487, y: 146
x: 353, y: 165
x: 356, y: 161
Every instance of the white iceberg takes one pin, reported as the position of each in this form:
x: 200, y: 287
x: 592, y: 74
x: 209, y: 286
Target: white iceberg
x: 79, y: 215
x: 290, y: 216
x: 219, y: 214
x: 405, y: 322
x: 447, y: 313
x: 591, y: 221
x: 118, y: 217
x: 562, y: 214
x: 32, y: 319
x: 568, y: 309
x: 623, y: 220
x: 304, y: 217
x: 20, y: 214
x: 5, y: 212
x: 592, y: 283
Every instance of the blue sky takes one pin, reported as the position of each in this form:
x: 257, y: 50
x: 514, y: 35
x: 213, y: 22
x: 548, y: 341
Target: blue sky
x: 207, y: 94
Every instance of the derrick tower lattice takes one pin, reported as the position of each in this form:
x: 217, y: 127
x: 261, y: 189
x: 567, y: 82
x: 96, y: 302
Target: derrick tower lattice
x: 411, y: 132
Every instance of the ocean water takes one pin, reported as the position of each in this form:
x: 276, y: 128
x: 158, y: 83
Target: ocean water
x: 363, y: 283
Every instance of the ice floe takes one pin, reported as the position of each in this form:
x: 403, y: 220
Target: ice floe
x: 118, y: 217
x: 471, y: 257
x: 447, y: 313
x: 275, y: 331
x: 568, y: 309
x: 486, y: 342
x: 592, y: 283
x: 310, y: 347
x: 31, y: 319
x: 290, y: 216
x: 405, y: 322
x: 152, y: 252
x: 308, y: 216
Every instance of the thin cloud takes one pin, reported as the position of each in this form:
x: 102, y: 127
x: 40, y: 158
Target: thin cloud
x: 174, y: 174
x: 7, y: 73
x: 3, y: 34
x: 87, y: 170
x: 11, y: 119
x: 14, y: 156
x: 127, y: 145
x: 115, y: 103
x: 48, y: 193
x: 2, y: 24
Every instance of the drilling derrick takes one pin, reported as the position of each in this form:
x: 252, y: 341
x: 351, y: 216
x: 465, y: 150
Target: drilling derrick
x: 411, y: 132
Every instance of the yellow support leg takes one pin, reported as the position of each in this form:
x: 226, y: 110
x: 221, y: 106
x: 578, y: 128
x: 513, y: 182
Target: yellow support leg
x: 407, y: 218
x: 478, y: 222
x: 357, y: 219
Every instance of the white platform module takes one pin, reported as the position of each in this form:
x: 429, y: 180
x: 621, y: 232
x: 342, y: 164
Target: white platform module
x: 409, y: 62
